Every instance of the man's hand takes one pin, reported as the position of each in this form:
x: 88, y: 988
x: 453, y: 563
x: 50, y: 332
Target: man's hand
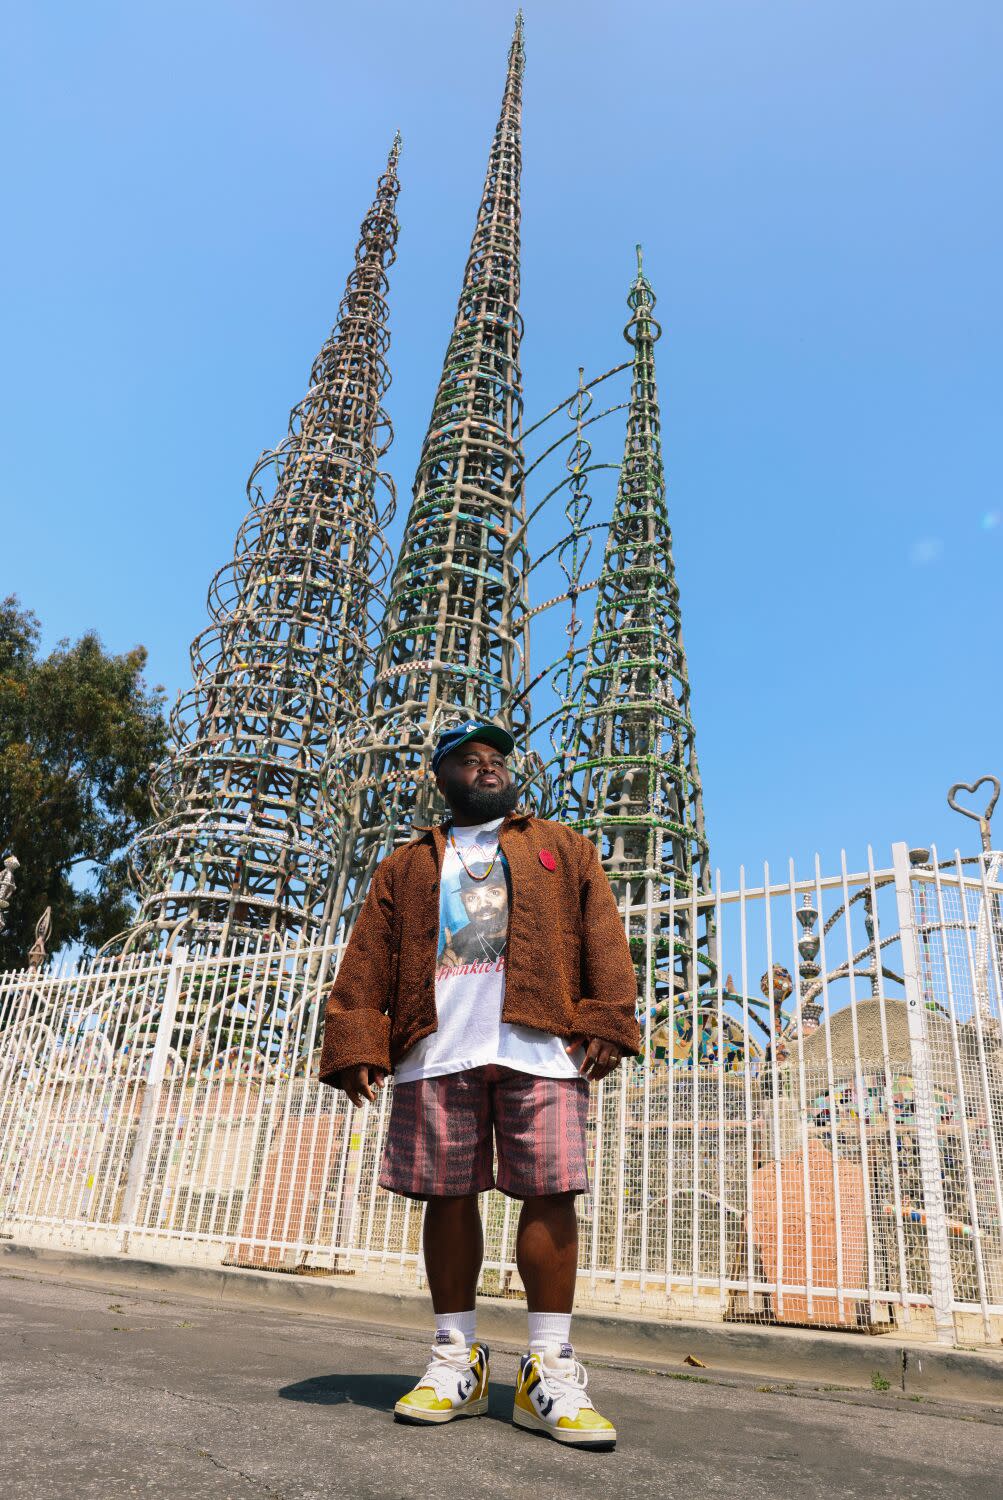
x: 448, y: 958
x: 361, y: 1081
x: 600, y: 1057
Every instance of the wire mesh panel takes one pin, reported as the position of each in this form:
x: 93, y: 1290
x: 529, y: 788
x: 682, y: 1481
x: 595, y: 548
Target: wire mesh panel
x: 812, y: 1135
x: 958, y: 920
x: 74, y: 1051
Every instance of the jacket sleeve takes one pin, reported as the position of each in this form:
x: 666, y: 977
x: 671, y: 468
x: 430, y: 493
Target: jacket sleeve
x: 356, y: 1023
x: 607, y: 1009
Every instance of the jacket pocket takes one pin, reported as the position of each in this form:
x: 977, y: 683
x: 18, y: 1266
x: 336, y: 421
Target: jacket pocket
x: 392, y: 989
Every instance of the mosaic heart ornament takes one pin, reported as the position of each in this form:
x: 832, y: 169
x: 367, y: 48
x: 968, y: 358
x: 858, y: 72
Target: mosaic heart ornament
x: 972, y: 788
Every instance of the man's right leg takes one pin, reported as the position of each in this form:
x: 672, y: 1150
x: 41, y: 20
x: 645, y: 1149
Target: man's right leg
x: 439, y: 1148
x: 454, y: 1249
x: 456, y: 1381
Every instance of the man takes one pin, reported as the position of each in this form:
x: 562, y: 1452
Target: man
x: 494, y: 1008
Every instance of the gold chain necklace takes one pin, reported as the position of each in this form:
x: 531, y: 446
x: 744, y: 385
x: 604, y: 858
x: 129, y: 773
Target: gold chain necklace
x: 470, y: 873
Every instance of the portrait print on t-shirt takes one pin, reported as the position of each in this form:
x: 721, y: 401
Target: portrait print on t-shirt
x: 474, y: 919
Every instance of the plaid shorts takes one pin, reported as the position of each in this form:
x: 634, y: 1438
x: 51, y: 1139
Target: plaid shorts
x: 439, y: 1141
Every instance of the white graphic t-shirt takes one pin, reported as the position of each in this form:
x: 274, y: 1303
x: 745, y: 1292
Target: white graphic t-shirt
x: 470, y: 973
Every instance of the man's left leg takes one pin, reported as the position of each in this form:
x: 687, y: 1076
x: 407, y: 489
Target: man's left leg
x: 546, y: 1251
x: 540, y: 1129
x: 547, y: 1256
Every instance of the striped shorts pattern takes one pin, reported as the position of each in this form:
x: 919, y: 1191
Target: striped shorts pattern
x: 439, y: 1140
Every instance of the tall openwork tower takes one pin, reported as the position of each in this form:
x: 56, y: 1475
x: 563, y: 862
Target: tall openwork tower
x: 452, y: 642
x: 242, y: 843
x: 632, y: 782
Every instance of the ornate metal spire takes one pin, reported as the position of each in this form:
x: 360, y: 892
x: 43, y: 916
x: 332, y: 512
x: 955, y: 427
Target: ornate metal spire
x: 452, y: 642
x: 633, y: 784
x: 43, y: 931
x: 241, y: 844
x: 8, y: 884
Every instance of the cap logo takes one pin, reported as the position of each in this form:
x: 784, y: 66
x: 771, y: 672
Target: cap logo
x: 547, y: 860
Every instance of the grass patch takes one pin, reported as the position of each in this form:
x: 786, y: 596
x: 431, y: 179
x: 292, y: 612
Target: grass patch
x: 878, y: 1382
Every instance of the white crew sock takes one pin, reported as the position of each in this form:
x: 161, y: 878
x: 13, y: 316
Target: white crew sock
x: 548, y: 1328
x: 465, y: 1323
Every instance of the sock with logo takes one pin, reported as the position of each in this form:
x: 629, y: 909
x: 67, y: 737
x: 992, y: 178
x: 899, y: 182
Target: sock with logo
x: 549, y: 1328
x: 465, y: 1324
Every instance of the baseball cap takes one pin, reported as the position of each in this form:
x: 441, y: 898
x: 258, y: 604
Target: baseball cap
x: 476, y: 729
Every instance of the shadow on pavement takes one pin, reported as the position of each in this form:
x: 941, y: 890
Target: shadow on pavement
x: 379, y: 1392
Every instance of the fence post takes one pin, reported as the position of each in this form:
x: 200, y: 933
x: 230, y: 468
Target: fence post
x: 151, y: 1095
x: 937, y: 1240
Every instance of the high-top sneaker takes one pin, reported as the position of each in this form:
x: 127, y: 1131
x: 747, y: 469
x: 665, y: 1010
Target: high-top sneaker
x: 550, y: 1397
x: 454, y: 1385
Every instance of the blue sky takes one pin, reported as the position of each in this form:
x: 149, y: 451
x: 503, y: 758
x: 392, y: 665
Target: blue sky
x: 817, y: 188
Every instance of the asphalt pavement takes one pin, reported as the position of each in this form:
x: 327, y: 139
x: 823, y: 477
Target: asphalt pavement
x: 106, y: 1393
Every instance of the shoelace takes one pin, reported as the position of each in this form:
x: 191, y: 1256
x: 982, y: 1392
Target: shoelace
x: 448, y: 1364
x: 565, y: 1382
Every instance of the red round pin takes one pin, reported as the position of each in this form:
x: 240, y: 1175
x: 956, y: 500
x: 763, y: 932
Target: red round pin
x: 547, y: 860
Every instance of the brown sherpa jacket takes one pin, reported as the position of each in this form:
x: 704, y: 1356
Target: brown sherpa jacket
x: 567, y: 969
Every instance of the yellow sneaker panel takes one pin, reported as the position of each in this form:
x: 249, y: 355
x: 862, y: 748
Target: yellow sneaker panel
x: 478, y: 1357
x: 423, y: 1398
x: 523, y: 1401
x: 525, y: 1381
x: 587, y: 1420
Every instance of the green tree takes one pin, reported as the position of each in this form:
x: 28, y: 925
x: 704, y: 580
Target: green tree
x: 79, y: 734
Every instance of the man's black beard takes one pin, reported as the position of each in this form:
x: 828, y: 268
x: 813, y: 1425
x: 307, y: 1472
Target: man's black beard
x: 483, y: 804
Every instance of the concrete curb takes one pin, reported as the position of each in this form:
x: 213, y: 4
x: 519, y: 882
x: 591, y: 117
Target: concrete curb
x: 773, y: 1354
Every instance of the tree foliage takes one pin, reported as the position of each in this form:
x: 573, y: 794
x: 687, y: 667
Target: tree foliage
x: 79, y: 734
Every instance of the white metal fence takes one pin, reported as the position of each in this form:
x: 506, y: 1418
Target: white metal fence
x: 832, y: 1155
